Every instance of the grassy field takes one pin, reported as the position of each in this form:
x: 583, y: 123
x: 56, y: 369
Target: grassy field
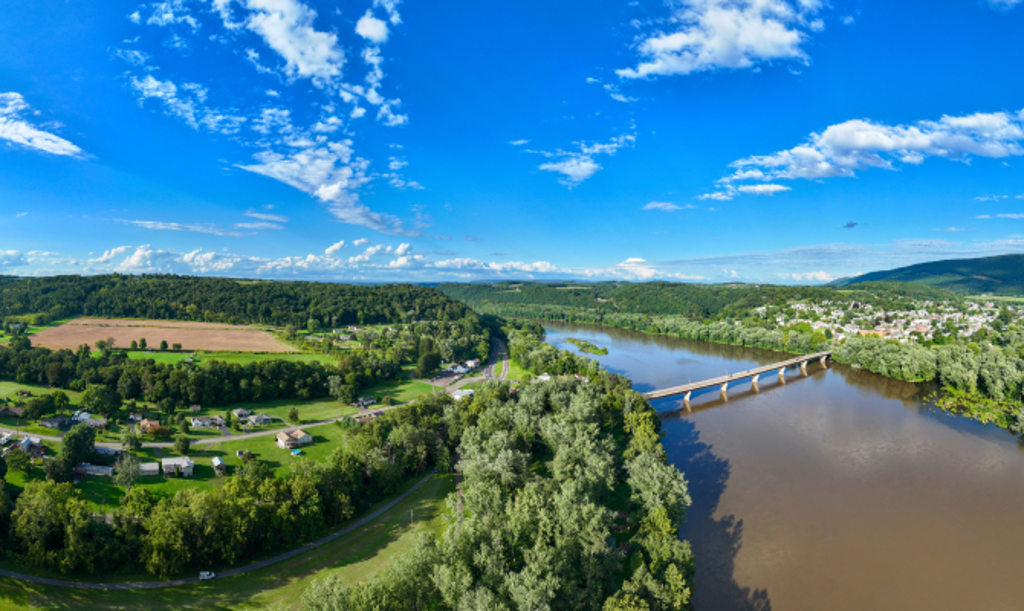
x: 400, y: 391
x: 314, y: 410
x: 516, y: 371
x: 10, y: 389
x: 355, y: 557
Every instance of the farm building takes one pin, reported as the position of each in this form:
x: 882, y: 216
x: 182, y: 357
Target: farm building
x: 179, y: 465
x: 286, y: 440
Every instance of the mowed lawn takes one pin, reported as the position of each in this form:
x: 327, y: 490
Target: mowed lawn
x: 326, y: 438
x: 400, y: 391
x: 355, y: 557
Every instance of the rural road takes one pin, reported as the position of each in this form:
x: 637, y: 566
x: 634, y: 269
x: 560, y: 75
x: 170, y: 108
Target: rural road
x: 149, y: 585
x: 497, y: 363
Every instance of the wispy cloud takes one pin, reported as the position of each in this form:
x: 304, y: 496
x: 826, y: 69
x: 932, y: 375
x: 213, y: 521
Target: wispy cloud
x: 15, y: 129
x: 576, y: 166
x: 166, y: 226
x: 667, y: 206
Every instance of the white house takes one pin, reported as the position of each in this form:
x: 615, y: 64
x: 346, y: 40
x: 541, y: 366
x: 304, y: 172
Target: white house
x: 219, y: 465
x: 206, y: 422
x: 179, y: 464
x: 464, y: 393
x: 147, y: 469
x: 240, y: 412
x: 105, y: 451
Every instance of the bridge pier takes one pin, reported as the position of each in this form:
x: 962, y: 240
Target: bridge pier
x: 782, y: 375
x: 824, y: 361
x: 725, y: 385
x: 753, y: 381
x: 686, y: 400
x: 803, y: 367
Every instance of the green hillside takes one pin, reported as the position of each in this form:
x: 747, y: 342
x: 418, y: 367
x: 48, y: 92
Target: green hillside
x: 1002, y: 275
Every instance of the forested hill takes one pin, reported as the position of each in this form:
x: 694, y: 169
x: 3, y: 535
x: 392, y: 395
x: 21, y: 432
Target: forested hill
x: 1002, y: 275
x: 222, y: 300
x: 696, y: 301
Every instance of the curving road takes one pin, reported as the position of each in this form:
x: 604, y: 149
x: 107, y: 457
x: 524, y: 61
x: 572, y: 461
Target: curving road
x: 149, y: 585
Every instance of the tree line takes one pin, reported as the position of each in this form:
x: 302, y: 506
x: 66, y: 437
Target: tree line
x: 312, y: 305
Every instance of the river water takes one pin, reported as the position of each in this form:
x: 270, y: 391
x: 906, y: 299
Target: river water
x: 835, y: 490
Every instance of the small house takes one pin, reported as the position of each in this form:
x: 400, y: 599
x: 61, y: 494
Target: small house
x: 206, y: 422
x: 258, y: 419
x: 240, y: 412
x: 134, y: 417
x: 4, y: 438
x: 149, y: 469
x: 13, y: 410
x: 107, y: 451
x: 219, y: 465
x: 178, y: 465
x: 195, y: 407
x: 473, y: 363
x: 287, y: 440
x: 365, y: 402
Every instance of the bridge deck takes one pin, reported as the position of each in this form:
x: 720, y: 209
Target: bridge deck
x: 685, y: 388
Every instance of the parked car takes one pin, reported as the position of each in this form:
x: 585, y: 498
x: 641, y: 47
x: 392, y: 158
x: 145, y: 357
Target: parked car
x: 205, y: 575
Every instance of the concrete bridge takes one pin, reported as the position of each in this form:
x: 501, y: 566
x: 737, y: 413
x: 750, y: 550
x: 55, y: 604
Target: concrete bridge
x: 723, y: 381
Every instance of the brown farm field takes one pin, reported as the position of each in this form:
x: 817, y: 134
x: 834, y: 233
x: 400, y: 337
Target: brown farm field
x: 191, y: 335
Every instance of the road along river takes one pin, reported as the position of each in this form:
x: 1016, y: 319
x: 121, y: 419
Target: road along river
x: 836, y: 490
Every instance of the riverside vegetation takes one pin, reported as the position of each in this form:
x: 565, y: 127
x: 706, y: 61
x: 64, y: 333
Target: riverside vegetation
x: 981, y: 374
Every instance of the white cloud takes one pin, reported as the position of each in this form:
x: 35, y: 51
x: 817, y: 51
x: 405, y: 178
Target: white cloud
x: 187, y: 103
x: 519, y: 142
x: 110, y: 254
x: 703, y: 35
x: 334, y: 248
x: 1012, y: 216
x: 403, y: 249
x: 391, y: 8
x: 14, y: 128
x: 667, y: 206
x: 577, y: 166
x: 851, y: 146
x: 768, y: 189
x: 1003, y: 4
x: 287, y: 28
x: 721, y: 196
x: 360, y: 242
x: 372, y: 29
x: 258, y: 225
x: 171, y: 12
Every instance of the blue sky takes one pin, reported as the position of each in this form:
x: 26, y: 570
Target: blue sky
x: 788, y: 141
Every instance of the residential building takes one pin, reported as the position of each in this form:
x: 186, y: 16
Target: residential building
x: 178, y: 465
x: 149, y: 469
x: 286, y: 440
x: 258, y: 419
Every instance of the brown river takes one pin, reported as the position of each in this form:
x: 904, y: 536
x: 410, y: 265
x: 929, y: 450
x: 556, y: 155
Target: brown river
x: 836, y: 490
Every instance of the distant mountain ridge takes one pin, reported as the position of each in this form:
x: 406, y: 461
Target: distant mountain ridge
x: 1000, y: 275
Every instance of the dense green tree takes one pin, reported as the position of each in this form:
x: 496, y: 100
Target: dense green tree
x: 181, y: 444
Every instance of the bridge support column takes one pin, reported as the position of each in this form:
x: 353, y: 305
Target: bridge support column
x: 803, y: 367
x: 753, y: 381
x: 724, y: 387
x: 824, y: 362
x: 686, y: 400
x: 782, y: 375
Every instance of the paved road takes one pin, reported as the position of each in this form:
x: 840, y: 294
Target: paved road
x: 498, y: 362
x: 149, y: 585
